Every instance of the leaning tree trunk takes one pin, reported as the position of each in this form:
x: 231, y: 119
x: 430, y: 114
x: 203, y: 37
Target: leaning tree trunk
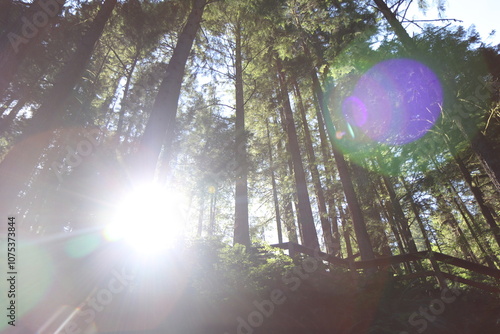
x: 19, y: 163
x: 401, y: 219
x: 160, y: 127
x: 365, y: 185
x: 318, y: 189
x: 400, y: 216
x: 241, y: 227
x: 326, y: 155
x: 416, y: 212
x: 449, y: 219
x: 400, y: 31
x: 364, y: 244
x: 392, y: 224
x: 304, y: 212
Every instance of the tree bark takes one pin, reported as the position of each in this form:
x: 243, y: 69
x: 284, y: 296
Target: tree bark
x: 330, y: 195
x: 366, y: 189
x: 400, y: 216
x: 318, y: 189
x: 241, y: 227
x: 304, y: 212
x: 364, y: 243
x: 400, y: 31
x: 19, y: 163
x: 435, y: 266
x: 394, y: 228
x: 160, y: 127
x: 289, y: 198
x: 346, y: 232
x: 449, y: 219
x: 274, y: 186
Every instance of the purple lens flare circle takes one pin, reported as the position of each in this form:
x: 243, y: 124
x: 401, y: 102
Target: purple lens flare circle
x: 395, y: 102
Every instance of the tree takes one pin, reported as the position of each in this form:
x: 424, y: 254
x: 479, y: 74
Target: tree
x: 16, y: 167
x: 318, y: 188
x: 17, y: 42
x: 304, y: 212
x: 160, y: 127
x: 480, y: 144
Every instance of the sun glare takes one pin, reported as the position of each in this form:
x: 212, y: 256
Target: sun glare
x: 149, y: 219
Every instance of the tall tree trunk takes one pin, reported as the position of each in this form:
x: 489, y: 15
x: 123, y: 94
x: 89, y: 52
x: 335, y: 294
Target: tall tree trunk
x: 17, y: 166
x: 346, y: 231
x: 330, y: 173
x: 365, y: 186
x: 305, y: 217
x: 394, y: 228
x: 416, y: 212
x: 364, y: 244
x: 400, y: 216
x: 289, y: 198
x: 449, y: 219
x: 273, y: 184
x: 400, y: 31
x: 16, y: 44
x: 241, y: 227
x: 313, y: 167
x: 160, y: 127
x: 289, y: 221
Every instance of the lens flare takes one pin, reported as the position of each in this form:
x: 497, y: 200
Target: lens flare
x: 395, y: 102
x: 150, y: 219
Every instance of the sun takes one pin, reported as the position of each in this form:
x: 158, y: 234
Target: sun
x: 150, y: 219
